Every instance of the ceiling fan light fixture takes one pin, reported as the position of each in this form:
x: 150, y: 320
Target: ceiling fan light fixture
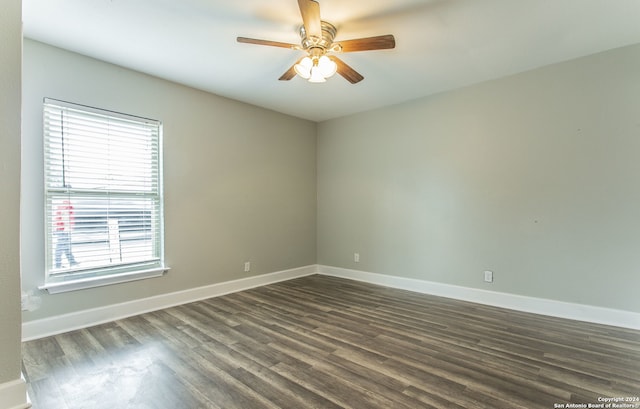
x: 303, y: 68
x: 327, y: 66
x: 316, y: 75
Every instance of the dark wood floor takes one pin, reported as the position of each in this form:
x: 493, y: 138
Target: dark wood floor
x: 322, y: 342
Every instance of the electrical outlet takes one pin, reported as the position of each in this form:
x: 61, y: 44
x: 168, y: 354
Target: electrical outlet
x: 356, y: 257
x: 247, y: 266
x: 488, y: 276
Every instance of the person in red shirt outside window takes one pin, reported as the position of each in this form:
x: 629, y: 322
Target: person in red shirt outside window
x: 63, y: 223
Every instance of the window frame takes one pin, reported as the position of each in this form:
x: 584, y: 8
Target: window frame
x: 70, y: 279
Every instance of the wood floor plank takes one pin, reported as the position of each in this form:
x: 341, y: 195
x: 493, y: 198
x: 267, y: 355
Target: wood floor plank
x: 325, y: 342
x: 281, y: 391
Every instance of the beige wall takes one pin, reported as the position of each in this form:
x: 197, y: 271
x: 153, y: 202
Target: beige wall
x: 534, y: 176
x: 10, y: 72
x: 240, y: 181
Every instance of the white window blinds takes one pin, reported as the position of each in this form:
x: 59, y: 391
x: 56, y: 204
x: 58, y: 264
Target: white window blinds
x: 103, y: 192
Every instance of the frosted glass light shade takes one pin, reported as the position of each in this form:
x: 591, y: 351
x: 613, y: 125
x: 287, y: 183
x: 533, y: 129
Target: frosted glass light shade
x: 316, y: 75
x: 327, y: 66
x: 303, y: 68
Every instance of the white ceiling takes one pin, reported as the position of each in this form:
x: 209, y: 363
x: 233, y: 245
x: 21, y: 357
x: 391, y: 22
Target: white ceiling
x: 441, y: 44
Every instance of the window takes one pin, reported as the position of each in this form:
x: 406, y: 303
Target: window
x: 103, y: 197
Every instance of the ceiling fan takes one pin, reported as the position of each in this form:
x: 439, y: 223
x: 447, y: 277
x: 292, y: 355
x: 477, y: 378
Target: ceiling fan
x: 317, y: 41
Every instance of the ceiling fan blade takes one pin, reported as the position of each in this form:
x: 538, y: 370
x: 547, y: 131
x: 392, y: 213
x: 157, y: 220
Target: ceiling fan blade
x: 346, y: 71
x: 383, y: 42
x: 290, y: 73
x: 310, y: 11
x: 266, y: 42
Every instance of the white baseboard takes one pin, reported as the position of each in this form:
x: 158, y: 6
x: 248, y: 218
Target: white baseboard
x: 86, y: 318
x: 13, y: 395
x: 68, y: 322
x: 580, y: 312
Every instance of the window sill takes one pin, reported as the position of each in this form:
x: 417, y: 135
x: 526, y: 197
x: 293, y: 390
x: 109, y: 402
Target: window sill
x: 91, y: 282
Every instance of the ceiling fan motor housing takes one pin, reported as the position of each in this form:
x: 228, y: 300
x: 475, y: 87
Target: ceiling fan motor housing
x: 323, y: 43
